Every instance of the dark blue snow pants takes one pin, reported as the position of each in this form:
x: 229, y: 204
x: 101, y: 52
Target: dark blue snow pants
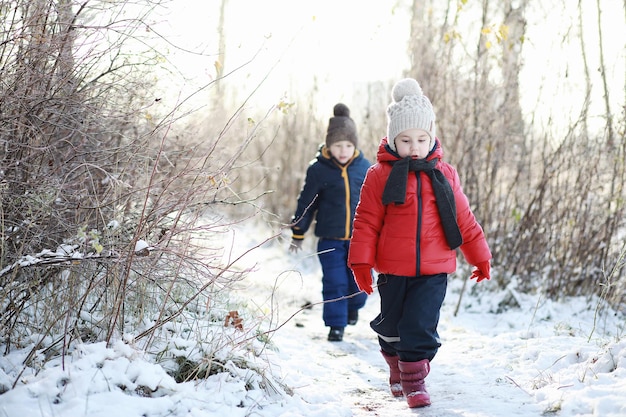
x: 409, y: 315
x: 337, y: 282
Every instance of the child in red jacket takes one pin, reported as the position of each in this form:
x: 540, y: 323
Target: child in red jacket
x: 411, y: 217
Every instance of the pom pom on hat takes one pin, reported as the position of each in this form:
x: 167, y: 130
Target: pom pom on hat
x: 410, y: 109
x: 341, y: 110
x: 341, y: 126
x: 406, y: 87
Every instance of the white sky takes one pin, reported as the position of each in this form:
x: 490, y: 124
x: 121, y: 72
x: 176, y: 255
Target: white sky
x: 342, y: 43
x: 346, y: 44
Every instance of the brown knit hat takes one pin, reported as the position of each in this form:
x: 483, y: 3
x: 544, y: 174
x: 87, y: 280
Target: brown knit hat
x: 341, y: 127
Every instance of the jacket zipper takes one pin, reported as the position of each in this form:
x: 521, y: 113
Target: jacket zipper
x: 419, y: 224
x: 346, y: 182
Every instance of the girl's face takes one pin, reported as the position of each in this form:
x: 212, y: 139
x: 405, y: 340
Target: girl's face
x: 415, y: 143
x: 342, y: 151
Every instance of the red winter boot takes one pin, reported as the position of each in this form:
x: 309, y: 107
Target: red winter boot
x: 394, y: 374
x: 412, y: 376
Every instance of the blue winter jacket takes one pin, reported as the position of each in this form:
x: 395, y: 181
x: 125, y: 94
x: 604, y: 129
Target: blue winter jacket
x: 329, y: 195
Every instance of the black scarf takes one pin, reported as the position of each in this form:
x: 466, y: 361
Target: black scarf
x: 395, y: 192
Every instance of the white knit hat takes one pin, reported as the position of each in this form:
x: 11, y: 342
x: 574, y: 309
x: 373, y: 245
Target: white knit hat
x: 410, y: 109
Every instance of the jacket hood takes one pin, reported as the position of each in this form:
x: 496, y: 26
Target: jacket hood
x: 386, y: 154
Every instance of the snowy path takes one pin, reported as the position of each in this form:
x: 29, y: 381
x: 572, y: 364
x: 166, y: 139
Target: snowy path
x: 540, y: 358
x: 464, y: 381
x: 533, y: 360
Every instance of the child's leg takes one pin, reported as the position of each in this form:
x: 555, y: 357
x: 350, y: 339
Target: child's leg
x: 395, y: 379
x: 332, y: 255
x: 391, y: 290
x: 418, y: 325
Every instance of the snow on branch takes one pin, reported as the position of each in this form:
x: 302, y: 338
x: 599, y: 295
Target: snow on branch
x: 67, y: 255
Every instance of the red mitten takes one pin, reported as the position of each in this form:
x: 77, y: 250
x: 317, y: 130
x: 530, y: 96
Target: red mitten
x: 363, y: 277
x: 482, y: 271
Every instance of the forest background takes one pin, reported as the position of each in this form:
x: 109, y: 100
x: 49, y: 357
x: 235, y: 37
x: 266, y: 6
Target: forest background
x: 133, y: 133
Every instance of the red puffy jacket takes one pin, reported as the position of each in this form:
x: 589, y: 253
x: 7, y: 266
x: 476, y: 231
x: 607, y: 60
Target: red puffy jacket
x: 408, y: 239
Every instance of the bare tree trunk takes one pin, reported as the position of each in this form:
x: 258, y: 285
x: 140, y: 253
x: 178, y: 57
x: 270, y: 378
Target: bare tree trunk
x: 219, y: 65
x: 65, y: 42
x: 617, y: 181
x: 423, y: 56
x: 515, y: 22
x: 583, y: 49
x: 478, y: 133
x: 607, y: 102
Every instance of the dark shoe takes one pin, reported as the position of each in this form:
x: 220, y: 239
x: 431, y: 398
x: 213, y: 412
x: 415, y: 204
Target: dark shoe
x: 335, y: 334
x: 353, y: 317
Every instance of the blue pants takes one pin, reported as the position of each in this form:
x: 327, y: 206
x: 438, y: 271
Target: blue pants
x: 409, y: 315
x: 337, y: 282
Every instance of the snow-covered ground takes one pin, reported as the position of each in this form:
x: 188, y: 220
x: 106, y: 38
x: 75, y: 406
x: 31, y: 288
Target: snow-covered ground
x: 543, y: 358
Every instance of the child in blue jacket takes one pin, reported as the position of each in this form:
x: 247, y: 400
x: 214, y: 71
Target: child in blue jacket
x: 329, y: 196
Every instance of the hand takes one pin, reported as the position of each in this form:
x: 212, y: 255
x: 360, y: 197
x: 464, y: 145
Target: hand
x: 482, y: 271
x: 295, y: 245
x: 363, y: 277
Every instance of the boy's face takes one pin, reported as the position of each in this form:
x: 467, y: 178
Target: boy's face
x: 342, y: 150
x: 414, y: 143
